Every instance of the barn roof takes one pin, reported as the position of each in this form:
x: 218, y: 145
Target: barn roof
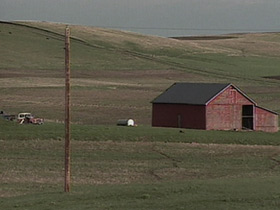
x: 192, y: 93
x: 268, y: 110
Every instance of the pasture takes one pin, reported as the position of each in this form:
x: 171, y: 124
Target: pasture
x: 115, y: 75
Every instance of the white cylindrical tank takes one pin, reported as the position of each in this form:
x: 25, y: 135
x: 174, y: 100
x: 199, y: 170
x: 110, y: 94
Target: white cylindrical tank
x: 130, y: 122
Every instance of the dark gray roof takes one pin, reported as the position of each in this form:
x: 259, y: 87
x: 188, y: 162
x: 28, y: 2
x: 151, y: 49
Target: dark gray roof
x: 190, y: 93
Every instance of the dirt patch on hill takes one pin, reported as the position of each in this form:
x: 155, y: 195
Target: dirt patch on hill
x: 252, y: 44
x: 273, y: 77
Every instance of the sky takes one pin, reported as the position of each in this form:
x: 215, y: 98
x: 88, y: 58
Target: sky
x: 155, y: 17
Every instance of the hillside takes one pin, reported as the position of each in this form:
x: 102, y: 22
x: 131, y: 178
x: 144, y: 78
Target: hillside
x: 116, y: 73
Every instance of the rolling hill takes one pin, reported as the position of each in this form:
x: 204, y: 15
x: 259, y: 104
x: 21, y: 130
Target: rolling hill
x: 115, y: 74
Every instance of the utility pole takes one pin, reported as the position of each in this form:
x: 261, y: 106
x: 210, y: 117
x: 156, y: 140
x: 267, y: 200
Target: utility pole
x: 67, y: 111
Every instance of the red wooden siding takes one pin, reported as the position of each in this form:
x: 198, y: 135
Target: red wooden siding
x: 231, y: 96
x: 266, y: 121
x: 178, y: 115
x: 223, y: 117
x: 225, y: 111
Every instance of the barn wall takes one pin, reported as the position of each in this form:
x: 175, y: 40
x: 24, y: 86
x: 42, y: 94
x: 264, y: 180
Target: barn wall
x: 266, y: 121
x: 225, y: 111
x: 177, y: 115
x: 224, y: 117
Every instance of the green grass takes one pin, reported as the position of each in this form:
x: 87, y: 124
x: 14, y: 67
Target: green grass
x: 30, y: 49
x: 50, y: 131
x: 138, y: 168
x: 123, y: 175
x: 212, y: 194
x: 37, y: 49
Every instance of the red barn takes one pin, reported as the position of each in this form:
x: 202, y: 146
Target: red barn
x: 210, y: 107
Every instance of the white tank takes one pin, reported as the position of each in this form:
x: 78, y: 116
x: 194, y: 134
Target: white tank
x: 130, y: 122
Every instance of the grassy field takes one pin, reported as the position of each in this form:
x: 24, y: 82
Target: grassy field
x: 115, y: 75
x: 55, y: 131
x: 139, y: 168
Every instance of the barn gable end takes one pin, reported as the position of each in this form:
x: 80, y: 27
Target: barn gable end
x: 231, y: 95
x: 224, y: 112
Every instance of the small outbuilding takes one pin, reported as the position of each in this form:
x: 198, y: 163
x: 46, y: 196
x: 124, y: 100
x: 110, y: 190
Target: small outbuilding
x: 210, y: 106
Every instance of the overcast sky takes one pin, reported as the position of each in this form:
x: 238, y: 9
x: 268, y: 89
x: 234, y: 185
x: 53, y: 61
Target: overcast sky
x: 157, y: 17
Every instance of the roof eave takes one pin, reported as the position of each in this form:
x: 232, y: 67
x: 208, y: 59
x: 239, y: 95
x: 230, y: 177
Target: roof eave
x: 215, y: 96
x: 153, y: 101
x: 273, y: 112
x: 196, y: 104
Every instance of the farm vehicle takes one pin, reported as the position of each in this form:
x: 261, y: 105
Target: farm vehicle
x: 23, y: 118
x: 29, y: 119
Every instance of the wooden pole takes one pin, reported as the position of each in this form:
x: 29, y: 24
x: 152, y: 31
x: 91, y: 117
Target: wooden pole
x: 67, y: 111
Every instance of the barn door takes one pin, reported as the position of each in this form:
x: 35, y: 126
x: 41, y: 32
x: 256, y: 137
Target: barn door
x: 248, y: 117
x: 179, y: 118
